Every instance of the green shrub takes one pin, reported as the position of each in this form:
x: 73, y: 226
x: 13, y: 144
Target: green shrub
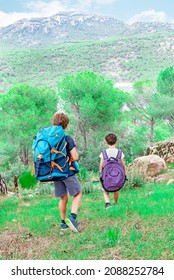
x: 87, y: 188
x: 27, y: 180
x: 90, y: 158
x: 83, y: 174
x: 14, y: 169
x: 139, y: 141
x: 136, y: 177
x: 162, y: 132
x: 45, y: 189
x: 41, y: 189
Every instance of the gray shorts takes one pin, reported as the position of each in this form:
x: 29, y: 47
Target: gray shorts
x: 70, y: 184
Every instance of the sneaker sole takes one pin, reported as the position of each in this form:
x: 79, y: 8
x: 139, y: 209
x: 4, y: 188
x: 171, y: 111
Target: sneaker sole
x: 64, y: 229
x: 70, y: 224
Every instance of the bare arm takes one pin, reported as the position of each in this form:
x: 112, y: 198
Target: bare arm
x: 74, y: 154
x: 101, y: 165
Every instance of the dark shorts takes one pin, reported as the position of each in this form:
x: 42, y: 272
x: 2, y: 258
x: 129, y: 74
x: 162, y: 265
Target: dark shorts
x: 70, y: 185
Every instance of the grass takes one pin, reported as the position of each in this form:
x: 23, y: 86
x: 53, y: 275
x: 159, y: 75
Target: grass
x: 139, y: 227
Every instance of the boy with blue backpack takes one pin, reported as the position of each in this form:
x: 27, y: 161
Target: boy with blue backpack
x: 112, y: 169
x: 71, y: 183
x: 55, y: 159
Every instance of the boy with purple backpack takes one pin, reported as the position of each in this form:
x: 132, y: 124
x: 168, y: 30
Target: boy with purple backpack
x: 112, y: 169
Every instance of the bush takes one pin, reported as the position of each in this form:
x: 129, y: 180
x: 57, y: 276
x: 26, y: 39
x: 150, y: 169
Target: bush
x: 139, y: 141
x: 87, y: 188
x: 83, y: 174
x: 86, y: 178
x: 41, y: 189
x: 162, y: 132
x: 45, y: 189
x: 14, y: 169
x: 136, y: 177
x: 27, y: 180
x: 90, y: 158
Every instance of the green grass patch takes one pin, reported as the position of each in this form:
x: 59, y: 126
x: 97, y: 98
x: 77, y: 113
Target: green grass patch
x: 140, y: 226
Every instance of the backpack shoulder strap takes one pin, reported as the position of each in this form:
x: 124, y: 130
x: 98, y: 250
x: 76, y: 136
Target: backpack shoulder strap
x: 119, y: 154
x: 105, y: 156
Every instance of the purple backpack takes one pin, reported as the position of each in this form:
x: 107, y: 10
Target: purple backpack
x: 113, y: 175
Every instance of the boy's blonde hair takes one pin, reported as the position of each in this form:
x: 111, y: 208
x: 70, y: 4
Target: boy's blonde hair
x: 60, y: 119
x: 111, y: 139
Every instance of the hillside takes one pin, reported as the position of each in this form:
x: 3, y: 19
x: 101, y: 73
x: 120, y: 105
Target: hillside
x: 41, y: 51
x: 124, y: 58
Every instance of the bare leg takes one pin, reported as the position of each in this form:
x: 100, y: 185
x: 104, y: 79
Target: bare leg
x: 62, y: 206
x: 116, y: 194
x: 76, y: 202
x: 106, y: 197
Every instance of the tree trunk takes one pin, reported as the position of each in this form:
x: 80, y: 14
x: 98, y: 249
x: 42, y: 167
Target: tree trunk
x: 152, y: 124
x: 16, y: 185
x: 3, y: 186
x: 76, y: 132
x: 84, y: 137
x: 80, y: 124
x: 24, y: 156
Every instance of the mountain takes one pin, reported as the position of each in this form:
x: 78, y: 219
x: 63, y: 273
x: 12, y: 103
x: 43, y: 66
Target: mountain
x: 150, y: 27
x: 65, y: 27
x: 42, y: 51
x: 71, y: 26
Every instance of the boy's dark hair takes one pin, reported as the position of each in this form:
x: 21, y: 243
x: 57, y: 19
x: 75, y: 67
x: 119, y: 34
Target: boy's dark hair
x: 60, y: 119
x: 111, y: 139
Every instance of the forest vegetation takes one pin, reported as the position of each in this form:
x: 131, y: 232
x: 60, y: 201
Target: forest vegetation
x: 79, y: 78
x: 119, y: 59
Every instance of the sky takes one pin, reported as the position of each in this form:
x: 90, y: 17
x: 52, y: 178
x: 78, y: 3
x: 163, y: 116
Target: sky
x: 126, y: 10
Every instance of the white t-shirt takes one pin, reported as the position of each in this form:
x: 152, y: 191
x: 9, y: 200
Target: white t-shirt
x: 112, y: 153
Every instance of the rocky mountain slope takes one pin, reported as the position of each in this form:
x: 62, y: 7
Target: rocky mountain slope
x: 41, y: 51
x: 70, y: 26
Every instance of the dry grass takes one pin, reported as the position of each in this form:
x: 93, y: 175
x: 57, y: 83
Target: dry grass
x: 20, y: 244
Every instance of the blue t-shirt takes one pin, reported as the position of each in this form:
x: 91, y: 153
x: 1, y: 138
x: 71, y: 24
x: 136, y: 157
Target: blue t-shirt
x: 70, y: 145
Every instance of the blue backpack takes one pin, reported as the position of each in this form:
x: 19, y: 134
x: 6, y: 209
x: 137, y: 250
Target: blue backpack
x: 51, y: 161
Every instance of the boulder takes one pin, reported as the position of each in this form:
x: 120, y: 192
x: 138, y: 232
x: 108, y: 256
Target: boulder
x: 152, y: 165
x: 166, y: 177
